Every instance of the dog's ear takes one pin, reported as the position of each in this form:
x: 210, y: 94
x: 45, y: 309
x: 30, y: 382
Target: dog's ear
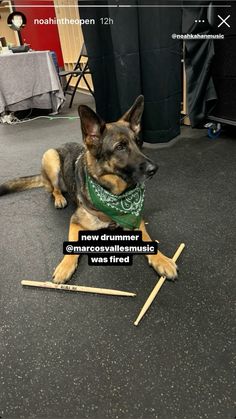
x: 134, y: 114
x: 92, y: 128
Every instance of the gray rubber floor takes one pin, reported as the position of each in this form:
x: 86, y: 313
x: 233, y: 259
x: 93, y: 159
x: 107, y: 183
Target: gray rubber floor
x: 68, y: 355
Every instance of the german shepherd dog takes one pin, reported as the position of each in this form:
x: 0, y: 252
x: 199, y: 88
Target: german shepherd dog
x: 111, y: 155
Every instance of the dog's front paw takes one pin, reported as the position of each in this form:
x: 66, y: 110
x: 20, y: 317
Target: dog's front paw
x: 65, y: 269
x: 163, y: 265
x: 60, y: 201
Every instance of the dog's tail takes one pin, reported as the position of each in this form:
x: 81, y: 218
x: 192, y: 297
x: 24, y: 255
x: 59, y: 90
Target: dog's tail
x: 21, y: 184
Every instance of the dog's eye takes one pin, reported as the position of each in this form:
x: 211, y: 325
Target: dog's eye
x: 120, y: 146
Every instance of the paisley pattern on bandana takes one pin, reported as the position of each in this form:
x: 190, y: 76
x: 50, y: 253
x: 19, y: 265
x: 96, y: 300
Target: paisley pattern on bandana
x: 125, y: 209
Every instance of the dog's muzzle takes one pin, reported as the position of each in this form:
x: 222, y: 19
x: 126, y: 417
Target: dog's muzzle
x: 151, y: 169
x: 148, y: 168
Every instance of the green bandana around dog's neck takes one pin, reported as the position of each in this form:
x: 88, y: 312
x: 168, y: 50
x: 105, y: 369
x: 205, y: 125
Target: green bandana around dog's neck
x: 124, y: 209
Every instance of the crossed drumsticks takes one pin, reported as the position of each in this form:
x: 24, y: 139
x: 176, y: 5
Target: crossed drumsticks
x: 79, y: 288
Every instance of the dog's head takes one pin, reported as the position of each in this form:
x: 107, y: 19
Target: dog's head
x: 114, y: 147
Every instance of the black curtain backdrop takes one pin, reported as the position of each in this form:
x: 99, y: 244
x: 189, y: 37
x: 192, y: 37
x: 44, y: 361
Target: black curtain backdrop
x: 224, y: 64
x: 136, y: 55
x: 199, y: 56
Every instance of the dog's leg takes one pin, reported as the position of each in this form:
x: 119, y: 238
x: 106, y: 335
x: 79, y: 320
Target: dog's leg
x: 161, y: 263
x: 51, y: 171
x: 68, y: 265
x: 80, y: 220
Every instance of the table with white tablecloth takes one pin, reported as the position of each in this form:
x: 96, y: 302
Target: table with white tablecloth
x: 29, y: 80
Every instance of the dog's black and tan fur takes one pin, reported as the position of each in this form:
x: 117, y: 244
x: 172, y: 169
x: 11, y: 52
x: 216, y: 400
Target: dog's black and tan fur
x: 112, y: 156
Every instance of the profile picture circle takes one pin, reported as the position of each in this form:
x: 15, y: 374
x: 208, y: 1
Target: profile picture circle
x: 16, y: 21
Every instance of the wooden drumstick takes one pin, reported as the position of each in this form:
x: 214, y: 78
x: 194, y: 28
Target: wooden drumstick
x: 156, y: 289
x: 77, y: 288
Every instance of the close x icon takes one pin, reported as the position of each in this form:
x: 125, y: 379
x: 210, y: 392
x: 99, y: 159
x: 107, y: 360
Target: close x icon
x: 223, y: 21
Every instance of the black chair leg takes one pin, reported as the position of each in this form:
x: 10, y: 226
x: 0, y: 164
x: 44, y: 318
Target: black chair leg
x: 75, y: 88
x: 87, y: 84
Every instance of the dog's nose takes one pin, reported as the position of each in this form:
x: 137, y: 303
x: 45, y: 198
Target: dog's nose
x: 151, y: 169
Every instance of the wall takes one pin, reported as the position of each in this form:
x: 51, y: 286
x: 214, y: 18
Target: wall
x: 40, y: 37
x: 6, y: 32
x: 71, y: 37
